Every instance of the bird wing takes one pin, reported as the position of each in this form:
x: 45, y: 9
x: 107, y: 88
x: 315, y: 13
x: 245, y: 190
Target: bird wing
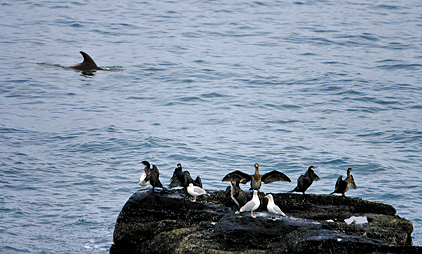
x: 353, y: 183
x: 278, y: 210
x: 339, y: 184
x: 174, y: 183
x: 315, y: 177
x: 155, y: 170
x: 248, y: 206
x: 237, y: 175
x: 274, y: 176
x: 300, y: 179
x: 198, y: 182
x: 199, y: 190
x: 187, y: 178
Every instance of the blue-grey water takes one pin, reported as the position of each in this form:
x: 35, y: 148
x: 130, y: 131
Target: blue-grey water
x: 214, y: 85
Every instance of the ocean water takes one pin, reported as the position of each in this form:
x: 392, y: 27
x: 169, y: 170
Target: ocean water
x: 214, y: 85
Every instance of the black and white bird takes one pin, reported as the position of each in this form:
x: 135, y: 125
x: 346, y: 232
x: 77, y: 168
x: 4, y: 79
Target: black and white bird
x: 235, y: 195
x: 252, y: 205
x: 143, y: 182
x: 151, y: 176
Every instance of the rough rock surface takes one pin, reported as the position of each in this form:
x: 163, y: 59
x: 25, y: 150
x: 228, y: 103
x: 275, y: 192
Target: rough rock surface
x: 168, y: 222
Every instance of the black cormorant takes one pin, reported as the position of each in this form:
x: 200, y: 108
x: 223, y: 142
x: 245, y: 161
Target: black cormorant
x: 304, y: 181
x: 183, y: 179
x: 152, y: 175
x: 342, y: 186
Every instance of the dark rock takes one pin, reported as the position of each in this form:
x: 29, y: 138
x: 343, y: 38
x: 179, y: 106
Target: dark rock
x: 168, y: 222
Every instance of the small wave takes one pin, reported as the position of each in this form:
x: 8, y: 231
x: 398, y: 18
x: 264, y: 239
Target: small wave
x: 212, y: 95
x: 400, y: 66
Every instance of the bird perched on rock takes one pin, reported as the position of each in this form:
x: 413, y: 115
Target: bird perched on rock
x: 342, y: 186
x: 183, y: 179
x: 252, y: 205
x: 235, y: 194
x: 305, y: 180
x: 143, y: 181
x: 257, y: 179
x: 273, y: 208
x: 195, y: 191
x: 151, y: 175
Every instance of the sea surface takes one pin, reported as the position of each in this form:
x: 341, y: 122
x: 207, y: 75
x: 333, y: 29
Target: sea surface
x: 214, y: 85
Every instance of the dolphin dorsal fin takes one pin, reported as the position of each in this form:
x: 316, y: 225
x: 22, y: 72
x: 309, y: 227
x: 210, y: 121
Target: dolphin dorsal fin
x: 87, y: 65
x: 87, y: 59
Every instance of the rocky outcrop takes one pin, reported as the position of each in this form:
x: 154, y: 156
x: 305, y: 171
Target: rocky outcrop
x: 168, y: 222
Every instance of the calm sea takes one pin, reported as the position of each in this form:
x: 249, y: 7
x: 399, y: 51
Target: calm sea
x: 214, y: 85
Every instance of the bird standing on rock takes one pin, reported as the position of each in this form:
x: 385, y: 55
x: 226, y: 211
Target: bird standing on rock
x: 237, y: 195
x: 151, y: 175
x: 256, y: 179
x: 195, y: 191
x: 304, y: 181
x: 183, y: 179
x: 342, y: 186
x: 273, y: 208
x: 143, y: 181
x: 252, y: 205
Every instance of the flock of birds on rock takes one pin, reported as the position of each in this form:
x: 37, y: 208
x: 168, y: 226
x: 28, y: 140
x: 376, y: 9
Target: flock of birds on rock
x: 234, y: 193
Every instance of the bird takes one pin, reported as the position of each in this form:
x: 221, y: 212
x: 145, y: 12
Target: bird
x: 183, y: 179
x: 151, y: 175
x: 154, y: 178
x: 273, y: 208
x: 257, y: 179
x: 305, y: 180
x: 342, y: 186
x: 252, y: 205
x: 143, y: 181
x: 236, y: 194
x: 195, y: 191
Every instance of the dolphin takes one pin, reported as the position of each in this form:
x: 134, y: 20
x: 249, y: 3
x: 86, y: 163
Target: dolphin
x: 87, y: 65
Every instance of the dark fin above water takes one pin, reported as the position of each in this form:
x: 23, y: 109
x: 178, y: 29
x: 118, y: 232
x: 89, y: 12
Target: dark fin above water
x: 87, y: 65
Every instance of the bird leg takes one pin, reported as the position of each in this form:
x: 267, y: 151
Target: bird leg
x: 194, y: 199
x: 253, y: 216
x: 275, y: 217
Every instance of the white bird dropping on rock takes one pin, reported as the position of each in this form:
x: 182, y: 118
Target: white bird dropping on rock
x: 252, y: 205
